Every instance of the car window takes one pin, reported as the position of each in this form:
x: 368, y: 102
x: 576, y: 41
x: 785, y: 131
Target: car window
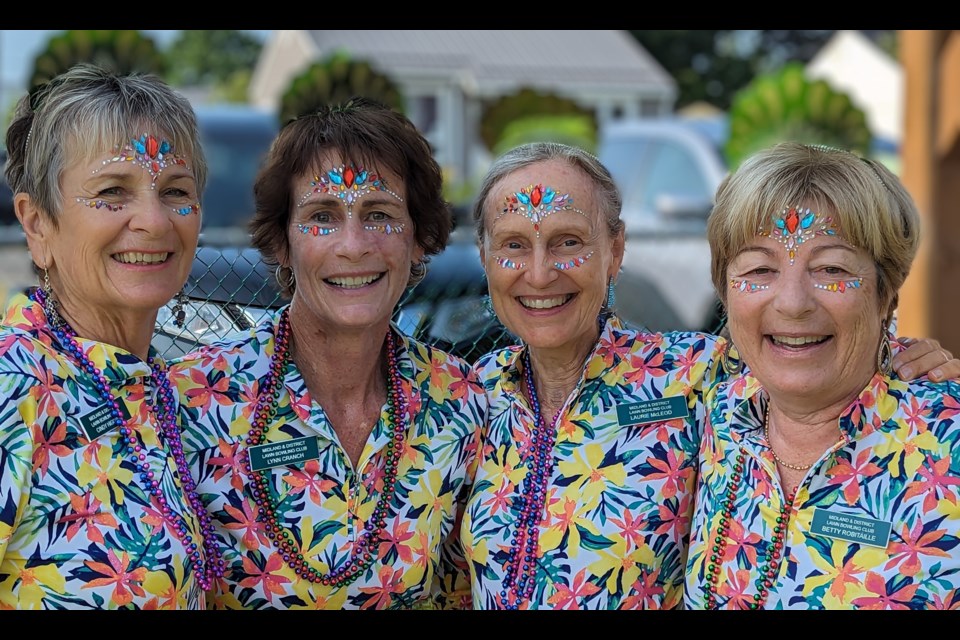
x: 674, y: 171
x: 233, y: 164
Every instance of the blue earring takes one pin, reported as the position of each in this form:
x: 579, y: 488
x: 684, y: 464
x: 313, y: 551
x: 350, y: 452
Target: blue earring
x: 611, y: 294
x: 488, y: 306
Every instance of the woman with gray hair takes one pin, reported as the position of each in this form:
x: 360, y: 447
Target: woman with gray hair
x: 825, y: 481
x: 97, y: 506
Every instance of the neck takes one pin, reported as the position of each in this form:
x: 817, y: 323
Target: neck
x: 129, y: 329
x: 804, y: 432
x: 556, y: 372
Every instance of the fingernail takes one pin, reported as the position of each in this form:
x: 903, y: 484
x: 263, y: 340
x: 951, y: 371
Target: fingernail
x: 906, y: 373
x: 936, y: 373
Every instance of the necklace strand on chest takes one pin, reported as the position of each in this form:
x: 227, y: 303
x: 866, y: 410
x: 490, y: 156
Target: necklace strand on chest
x: 520, y: 576
x: 364, y: 551
x: 164, y: 410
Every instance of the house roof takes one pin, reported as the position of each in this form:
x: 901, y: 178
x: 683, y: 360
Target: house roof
x: 492, y: 58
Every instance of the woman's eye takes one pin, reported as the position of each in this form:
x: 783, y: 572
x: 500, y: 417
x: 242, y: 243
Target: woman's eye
x: 512, y: 245
x: 834, y: 271
x: 379, y: 216
x: 110, y: 191
x: 176, y: 193
x: 760, y: 271
x: 321, y: 216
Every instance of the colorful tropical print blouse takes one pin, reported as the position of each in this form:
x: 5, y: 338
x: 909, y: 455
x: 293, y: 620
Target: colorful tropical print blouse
x: 322, y: 503
x: 78, y: 527
x: 875, y: 524
x: 620, y: 495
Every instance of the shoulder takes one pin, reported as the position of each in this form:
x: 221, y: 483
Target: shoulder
x: 492, y: 364
x: 22, y: 353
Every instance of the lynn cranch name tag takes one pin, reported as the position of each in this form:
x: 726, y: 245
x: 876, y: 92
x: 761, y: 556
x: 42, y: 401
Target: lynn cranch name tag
x: 652, y: 411
x: 289, y: 452
x: 851, y: 528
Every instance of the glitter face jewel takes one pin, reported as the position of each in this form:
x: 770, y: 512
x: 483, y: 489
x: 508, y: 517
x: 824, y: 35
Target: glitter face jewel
x: 316, y: 230
x: 148, y: 152
x: 507, y: 263
x: 570, y: 264
x: 349, y: 184
x: 841, y: 286
x: 185, y: 211
x: 536, y: 202
x: 100, y: 204
x: 794, y: 226
x: 385, y: 228
x: 747, y: 287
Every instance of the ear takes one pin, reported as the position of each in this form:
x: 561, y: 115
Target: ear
x: 37, y: 226
x: 418, y: 253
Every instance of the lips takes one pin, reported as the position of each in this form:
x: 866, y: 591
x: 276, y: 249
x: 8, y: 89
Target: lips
x: 138, y: 257
x: 544, y: 303
x: 353, y: 282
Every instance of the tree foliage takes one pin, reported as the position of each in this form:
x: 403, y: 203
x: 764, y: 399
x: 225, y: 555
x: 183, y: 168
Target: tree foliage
x: 533, y: 108
x: 212, y: 57
x: 120, y: 50
x: 335, y: 80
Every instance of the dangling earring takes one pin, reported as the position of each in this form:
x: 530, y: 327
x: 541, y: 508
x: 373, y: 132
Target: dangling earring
x: 885, y: 357
x: 179, y: 314
x: 730, y: 359
x: 611, y: 295
x: 50, y: 303
x: 487, y: 303
x: 418, y: 271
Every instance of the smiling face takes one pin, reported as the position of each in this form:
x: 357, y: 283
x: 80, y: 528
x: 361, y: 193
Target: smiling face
x: 127, y: 231
x: 351, y: 245
x: 805, y: 316
x: 548, y: 255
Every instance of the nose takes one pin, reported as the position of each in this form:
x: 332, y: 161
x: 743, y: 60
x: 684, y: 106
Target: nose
x: 152, y: 216
x: 794, y: 294
x: 352, y: 240
x: 541, y: 271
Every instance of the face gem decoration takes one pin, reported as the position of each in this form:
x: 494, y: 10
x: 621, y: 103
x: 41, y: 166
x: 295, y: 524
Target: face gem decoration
x: 150, y: 153
x: 385, y: 227
x: 349, y: 184
x: 570, y: 264
x: 100, y: 204
x: 316, y: 230
x: 841, y: 286
x: 536, y: 202
x: 795, y: 225
x: 507, y: 263
x: 746, y: 287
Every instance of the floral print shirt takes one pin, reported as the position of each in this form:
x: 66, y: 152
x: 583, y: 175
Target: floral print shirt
x: 618, y: 504
x: 78, y: 528
x: 875, y: 523
x: 324, y: 502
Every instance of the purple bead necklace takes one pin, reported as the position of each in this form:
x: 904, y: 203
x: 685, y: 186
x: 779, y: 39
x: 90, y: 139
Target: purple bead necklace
x: 163, y: 409
x: 519, y: 579
x: 364, y: 551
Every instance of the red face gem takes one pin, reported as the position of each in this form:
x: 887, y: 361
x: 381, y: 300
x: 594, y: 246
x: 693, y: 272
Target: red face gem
x: 348, y: 177
x: 792, y: 220
x: 153, y: 147
x: 536, y: 196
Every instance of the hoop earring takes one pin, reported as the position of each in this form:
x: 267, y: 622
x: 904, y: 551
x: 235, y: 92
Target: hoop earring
x: 730, y: 359
x: 290, y: 281
x: 179, y: 313
x: 418, y: 271
x: 885, y: 357
x: 487, y: 303
x: 50, y: 304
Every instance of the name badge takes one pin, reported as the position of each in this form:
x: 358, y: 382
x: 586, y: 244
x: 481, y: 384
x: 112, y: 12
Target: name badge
x: 843, y: 526
x: 101, y: 420
x: 278, y: 454
x: 652, y: 411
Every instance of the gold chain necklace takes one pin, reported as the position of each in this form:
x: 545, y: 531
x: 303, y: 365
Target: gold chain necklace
x: 766, y: 434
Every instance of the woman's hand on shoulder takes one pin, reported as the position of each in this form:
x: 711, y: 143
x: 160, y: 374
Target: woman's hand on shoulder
x: 925, y: 357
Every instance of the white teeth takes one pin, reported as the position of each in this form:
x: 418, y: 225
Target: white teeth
x: 135, y: 257
x: 353, y: 283
x: 543, y: 303
x: 796, y: 342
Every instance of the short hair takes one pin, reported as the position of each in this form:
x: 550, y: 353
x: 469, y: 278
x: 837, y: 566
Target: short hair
x: 93, y: 109
x: 363, y: 132
x: 869, y: 205
x: 606, y: 193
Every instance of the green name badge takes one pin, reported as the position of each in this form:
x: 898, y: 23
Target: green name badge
x: 851, y: 528
x: 278, y: 454
x: 652, y: 411
x: 101, y: 420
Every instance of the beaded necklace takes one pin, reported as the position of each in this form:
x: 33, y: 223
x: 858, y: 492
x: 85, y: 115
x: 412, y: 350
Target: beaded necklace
x: 769, y: 564
x: 163, y: 409
x: 268, y: 400
x: 518, y: 581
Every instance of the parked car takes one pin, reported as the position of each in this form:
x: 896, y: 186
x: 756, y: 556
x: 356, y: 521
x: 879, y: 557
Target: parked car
x: 668, y: 170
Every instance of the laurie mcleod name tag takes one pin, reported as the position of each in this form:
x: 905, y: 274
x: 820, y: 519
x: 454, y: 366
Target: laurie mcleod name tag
x: 652, y: 411
x: 278, y: 454
x: 844, y: 526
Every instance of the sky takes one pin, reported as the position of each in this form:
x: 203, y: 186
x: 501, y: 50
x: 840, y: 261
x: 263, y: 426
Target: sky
x: 19, y: 48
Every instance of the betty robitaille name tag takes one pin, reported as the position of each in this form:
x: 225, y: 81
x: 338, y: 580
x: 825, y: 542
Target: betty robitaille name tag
x: 288, y: 452
x: 652, y: 411
x: 852, y: 528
